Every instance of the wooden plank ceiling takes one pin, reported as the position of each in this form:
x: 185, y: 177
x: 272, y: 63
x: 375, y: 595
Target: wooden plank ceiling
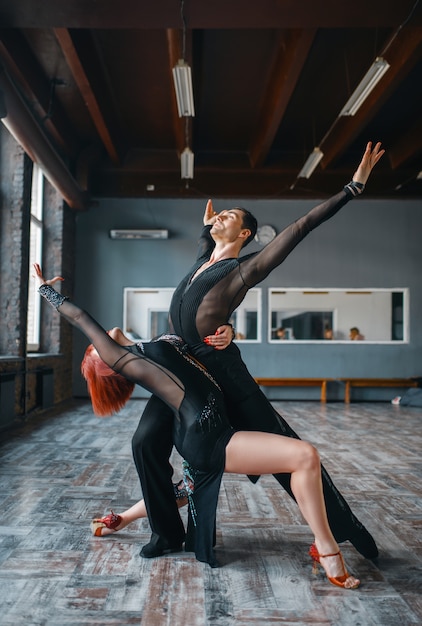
x: 89, y: 93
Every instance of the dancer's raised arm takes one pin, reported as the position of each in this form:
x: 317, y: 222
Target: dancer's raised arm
x: 276, y: 252
x: 107, y: 348
x: 122, y: 356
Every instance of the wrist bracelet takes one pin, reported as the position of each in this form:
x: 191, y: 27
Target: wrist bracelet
x: 354, y: 188
x: 51, y: 295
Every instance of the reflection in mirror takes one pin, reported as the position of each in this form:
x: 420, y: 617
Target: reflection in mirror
x: 145, y: 313
x: 377, y: 315
x: 246, y: 319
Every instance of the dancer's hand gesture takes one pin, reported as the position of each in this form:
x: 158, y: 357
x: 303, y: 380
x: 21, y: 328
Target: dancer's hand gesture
x: 41, y: 280
x: 369, y: 160
x: 210, y: 215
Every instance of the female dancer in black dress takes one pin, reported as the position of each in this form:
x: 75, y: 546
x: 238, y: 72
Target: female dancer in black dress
x: 201, y: 430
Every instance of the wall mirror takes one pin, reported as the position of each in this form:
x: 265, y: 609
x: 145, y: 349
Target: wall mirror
x: 145, y: 313
x: 247, y: 319
x: 313, y: 315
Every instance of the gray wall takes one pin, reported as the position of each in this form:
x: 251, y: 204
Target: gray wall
x: 367, y: 244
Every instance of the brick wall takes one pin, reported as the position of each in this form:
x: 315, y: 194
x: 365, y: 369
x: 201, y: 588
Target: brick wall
x: 15, y: 189
x: 45, y: 379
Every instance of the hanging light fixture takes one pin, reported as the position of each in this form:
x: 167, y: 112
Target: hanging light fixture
x: 186, y: 163
x: 182, y: 77
x: 365, y: 87
x: 186, y: 157
x: 311, y: 163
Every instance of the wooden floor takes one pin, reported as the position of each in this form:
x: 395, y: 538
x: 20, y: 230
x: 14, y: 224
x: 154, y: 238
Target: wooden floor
x: 60, y: 471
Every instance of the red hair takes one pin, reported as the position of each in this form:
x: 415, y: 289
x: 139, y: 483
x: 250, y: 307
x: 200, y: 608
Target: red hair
x: 109, y: 390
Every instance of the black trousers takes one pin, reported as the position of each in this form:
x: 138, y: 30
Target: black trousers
x: 152, y: 445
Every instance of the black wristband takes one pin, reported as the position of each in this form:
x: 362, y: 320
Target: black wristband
x: 354, y: 188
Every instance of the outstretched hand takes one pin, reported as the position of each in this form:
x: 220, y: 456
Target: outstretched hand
x: 42, y: 281
x: 370, y: 158
x: 210, y: 215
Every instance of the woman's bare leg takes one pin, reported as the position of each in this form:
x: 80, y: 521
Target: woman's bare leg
x: 258, y: 453
x: 137, y: 511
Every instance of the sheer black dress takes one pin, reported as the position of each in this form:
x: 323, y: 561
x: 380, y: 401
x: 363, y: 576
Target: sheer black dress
x: 201, y: 429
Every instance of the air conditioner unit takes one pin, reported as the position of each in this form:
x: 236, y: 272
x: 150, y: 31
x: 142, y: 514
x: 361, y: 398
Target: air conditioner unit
x: 139, y: 234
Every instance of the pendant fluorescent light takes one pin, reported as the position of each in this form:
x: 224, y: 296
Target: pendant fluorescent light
x: 139, y: 234
x: 183, y: 85
x: 366, y: 85
x: 186, y: 163
x: 310, y: 164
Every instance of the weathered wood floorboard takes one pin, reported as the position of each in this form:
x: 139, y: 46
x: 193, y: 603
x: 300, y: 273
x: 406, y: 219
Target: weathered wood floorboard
x: 58, y: 472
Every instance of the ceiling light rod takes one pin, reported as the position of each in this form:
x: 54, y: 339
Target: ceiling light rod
x: 311, y: 163
x: 182, y: 15
x: 365, y: 87
x: 186, y: 163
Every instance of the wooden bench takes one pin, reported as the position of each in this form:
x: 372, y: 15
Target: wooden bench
x: 297, y: 382
x: 375, y: 382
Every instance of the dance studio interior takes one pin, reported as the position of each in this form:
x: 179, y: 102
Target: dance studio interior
x: 119, y: 122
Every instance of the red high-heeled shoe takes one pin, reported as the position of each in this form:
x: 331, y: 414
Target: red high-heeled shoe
x: 110, y: 521
x: 339, y: 581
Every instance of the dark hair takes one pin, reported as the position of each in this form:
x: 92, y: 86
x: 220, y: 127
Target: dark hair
x: 249, y: 221
x: 109, y: 391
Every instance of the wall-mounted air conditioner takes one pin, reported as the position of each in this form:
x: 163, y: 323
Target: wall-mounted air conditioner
x: 139, y: 234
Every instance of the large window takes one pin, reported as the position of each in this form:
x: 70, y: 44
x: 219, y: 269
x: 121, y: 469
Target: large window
x: 35, y: 252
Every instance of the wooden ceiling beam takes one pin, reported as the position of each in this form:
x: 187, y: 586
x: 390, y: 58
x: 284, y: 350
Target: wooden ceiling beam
x: 82, y: 58
x: 292, y: 51
x: 37, y: 89
x: 26, y: 130
x: 407, y: 147
x: 144, y: 14
x: 402, y: 54
x: 233, y: 183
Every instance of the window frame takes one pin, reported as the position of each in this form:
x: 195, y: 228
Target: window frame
x: 36, y: 233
